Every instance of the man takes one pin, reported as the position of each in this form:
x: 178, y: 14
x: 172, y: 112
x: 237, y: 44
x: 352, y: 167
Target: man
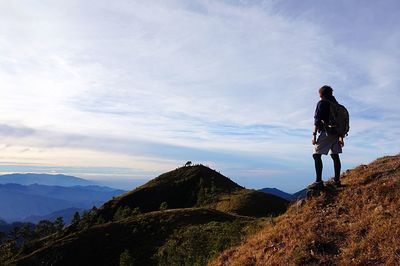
x: 326, y: 142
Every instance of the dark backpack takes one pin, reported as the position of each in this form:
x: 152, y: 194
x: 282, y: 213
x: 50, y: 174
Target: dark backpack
x: 339, y: 120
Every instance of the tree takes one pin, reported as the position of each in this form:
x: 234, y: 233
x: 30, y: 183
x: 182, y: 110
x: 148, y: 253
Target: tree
x: 14, y: 233
x: 44, y: 228
x: 163, y: 206
x: 27, y: 232
x: 122, y: 213
x: 188, y: 163
x: 126, y: 259
x: 76, y: 218
x: 2, y: 236
x: 59, y: 224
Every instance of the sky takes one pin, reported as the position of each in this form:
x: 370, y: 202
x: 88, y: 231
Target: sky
x: 122, y: 91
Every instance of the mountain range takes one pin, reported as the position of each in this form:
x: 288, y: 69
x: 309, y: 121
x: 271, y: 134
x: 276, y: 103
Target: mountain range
x: 44, y: 179
x: 30, y: 202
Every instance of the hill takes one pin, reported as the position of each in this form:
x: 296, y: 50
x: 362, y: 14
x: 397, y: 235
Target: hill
x: 44, y: 179
x: 287, y: 196
x: 66, y: 214
x: 18, y: 202
x: 277, y: 192
x: 202, y: 213
x: 195, y: 186
x: 155, y: 238
x: 354, y: 225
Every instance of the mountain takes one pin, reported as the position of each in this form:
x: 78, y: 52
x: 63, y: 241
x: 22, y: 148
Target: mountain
x: 17, y: 202
x: 44, y: 179
x: 357, y: 224
x: 299, y: 195
x: 183, y: 217
x: 196, y: 186
x: 287, y: 196
x: 277, y: 192
x: 66, y: 214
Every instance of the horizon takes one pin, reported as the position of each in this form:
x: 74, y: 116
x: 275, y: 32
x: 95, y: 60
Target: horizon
x: 125, y: 91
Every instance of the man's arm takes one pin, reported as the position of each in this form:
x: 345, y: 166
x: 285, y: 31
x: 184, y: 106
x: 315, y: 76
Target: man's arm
x: 321, y: 114
x: 314, y: 134
x: 341, y: 141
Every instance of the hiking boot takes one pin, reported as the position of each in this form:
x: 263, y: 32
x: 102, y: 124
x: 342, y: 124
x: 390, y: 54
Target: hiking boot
x: 337, y: 183
x: 316, y: 185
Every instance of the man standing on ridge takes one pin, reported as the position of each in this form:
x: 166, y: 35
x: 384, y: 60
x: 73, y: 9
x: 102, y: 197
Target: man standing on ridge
x: 326, y: 141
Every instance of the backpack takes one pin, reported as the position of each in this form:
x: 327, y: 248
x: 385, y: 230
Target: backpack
x: 339, y: 120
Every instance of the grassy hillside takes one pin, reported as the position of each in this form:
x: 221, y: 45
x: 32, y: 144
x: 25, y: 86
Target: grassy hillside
x: 188, y: 236
x: 354, y: 225
x: 195, y: 186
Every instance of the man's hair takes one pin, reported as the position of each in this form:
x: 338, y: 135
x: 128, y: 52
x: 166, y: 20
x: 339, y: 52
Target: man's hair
x: 326, y: 90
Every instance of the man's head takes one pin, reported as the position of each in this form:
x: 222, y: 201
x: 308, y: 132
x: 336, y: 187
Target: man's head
x: 325, y: 91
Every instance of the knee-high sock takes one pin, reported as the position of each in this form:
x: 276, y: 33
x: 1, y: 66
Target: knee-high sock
x: 318, y: 167
x: 337, y: 165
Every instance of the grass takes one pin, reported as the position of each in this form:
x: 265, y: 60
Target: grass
x: 357, y: 225
x: 192, y: 235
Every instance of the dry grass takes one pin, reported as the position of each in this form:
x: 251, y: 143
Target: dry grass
x: 355, y: 225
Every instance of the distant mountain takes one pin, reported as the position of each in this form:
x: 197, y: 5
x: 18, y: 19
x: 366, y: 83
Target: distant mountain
x: 277, y: 192
x: 44, y: 179
x: 66, y: 214
x: 287, y: 196
x: 299, y: 194
x: 17, y: 202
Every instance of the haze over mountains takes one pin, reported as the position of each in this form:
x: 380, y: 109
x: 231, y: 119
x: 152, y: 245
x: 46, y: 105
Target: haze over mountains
x: 44, y: 179
x: 30, y: 197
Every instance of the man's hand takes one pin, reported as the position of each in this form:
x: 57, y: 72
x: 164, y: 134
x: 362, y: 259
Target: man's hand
x: 314, y: 140
x: 341, y: 142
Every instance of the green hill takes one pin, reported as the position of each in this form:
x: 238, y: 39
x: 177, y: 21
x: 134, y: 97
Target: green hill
x: 184, y: 217
x: 191, y: 236
x: 195, y: 186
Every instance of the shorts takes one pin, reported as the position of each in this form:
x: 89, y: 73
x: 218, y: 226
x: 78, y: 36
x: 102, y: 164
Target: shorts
x: 326, y: 143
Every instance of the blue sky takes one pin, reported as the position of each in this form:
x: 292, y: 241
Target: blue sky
x: 122, y: 91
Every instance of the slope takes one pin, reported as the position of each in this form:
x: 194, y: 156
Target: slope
x: 357, y: 224
x: 195, y: 186
x: 150, y: 239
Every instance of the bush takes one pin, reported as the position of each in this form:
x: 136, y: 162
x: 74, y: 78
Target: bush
x: 126, y: 259
x: 163, y: 206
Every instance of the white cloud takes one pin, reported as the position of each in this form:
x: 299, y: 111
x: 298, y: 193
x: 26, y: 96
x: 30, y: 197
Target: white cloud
x: 191, y: 74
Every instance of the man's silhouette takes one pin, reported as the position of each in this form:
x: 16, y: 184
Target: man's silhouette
x: 325, y: 142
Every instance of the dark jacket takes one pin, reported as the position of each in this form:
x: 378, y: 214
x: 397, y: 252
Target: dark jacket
x: 322, y: 112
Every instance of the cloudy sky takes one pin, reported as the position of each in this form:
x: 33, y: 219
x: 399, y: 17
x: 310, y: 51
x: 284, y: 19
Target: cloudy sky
x: 125, y: 90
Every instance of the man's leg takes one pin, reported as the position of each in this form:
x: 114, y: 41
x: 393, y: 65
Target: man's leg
x: 318, y: 167
x: 337, y: 165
